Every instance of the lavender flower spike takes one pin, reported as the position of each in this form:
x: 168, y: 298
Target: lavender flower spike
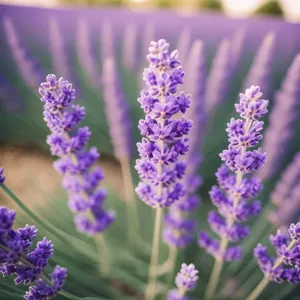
x: 286, y: 195
x: 179, y: 228
x: 261, y: 68
x: 2, y: 176
x: 183, y: 44
x: 219, y: 78
x: 85, y: 54
x: 235, y: 191
x: 107, y: 41
x: 117, y: 111
x: 185, y: 281
x: 75, y: 163
x: 60, y: 60
x: 285, y: 268
x: 130, y: 55
x: 29, y: 69
x: 164, y: 142
x: 26, y: 264
x: 285, y: 113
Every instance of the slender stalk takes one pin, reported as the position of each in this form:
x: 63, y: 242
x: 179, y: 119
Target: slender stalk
x: 103, y: 252
x: 151, y: 287
x: 172, y: 263
x: 132, y: 213
x: 264, y: 282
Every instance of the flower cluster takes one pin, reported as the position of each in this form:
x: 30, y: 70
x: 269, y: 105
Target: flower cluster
x: 117, y: 111
x: 185, y: 281
x: 75, y: 163
x: 16, y: 258
x: 164, y: 142
x: 179, y: 226
x: 288, y: 253
x: 2, y: 176
x: 234, y: 192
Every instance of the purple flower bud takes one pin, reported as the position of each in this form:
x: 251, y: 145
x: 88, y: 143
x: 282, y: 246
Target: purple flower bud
x: 2, y: 176
x: 187, y: 277
x: 294, y: 232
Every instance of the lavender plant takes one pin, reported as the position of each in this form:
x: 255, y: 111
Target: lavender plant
x: 164, y: 142
x: 17, y: 258
x: 235, y: 190
x: 287, y: 249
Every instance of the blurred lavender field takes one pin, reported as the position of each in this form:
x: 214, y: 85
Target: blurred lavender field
x: 226, y: 55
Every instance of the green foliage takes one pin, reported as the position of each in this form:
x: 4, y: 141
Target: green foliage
x: 272, y: 8
x: 210, y: 4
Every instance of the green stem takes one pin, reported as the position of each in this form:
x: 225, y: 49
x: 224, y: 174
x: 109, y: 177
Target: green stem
x: 172, y: 262
x: 151, y: 287
x: 104, y: 255
x: 132, y: 213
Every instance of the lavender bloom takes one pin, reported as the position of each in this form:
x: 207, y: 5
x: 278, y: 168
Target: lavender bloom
x: 185, y: 281
x: 183, y: 45
x: 179, y: 229
x: 219, y: 77
x: 234, y: 192
x: 287, y: 249
x: 282, y: 121
x: 27, y: 265
x: 107, y: 40
x: 129, y: 54
x: 117, y: 111
x: 164, y: 139
x: 60, y: 59
x: 286, y: 195
x: 148, y: 36
x: 85, y: 55
x: 261, y: 68
x: 29, y: 69
x: 75, y: 163
x: 237, y: 47
x: 9, y: 97
x: 2, y: 176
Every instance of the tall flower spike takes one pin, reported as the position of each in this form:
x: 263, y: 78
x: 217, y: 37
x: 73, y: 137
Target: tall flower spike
x: 237, y: 47
x: 29, y: 69
x: 179, y: 228
x: 60, y: 58
x: 107, y: 40
x: 85, y: 54
x: 285, y: 267
x: 286, y: 195
x: 219, y: 78
x: 19, y: 259
x: 75, y: 163
x: 9, y: 96
x: 234, y: 192
x: 185, y: 281
x: 2, y: 176
x: 164, y: 142
x: 117, y: 111
x: 282, y: 120
x: 184, y: 43
x: 260, y: 72
x: 129, y: 54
